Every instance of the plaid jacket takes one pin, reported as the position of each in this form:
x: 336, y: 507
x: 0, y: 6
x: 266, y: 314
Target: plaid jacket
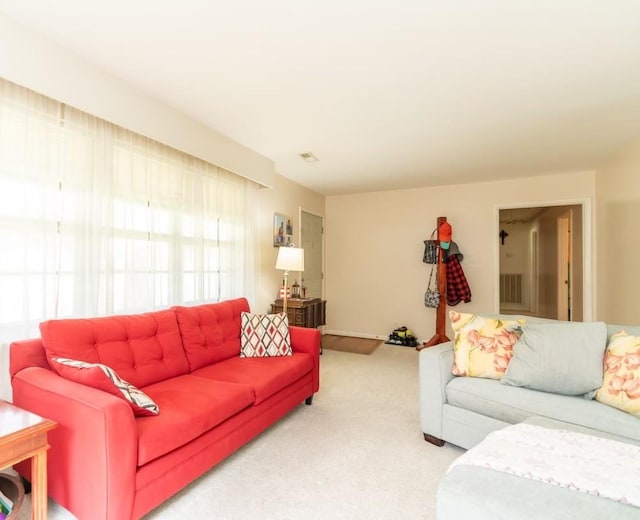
x: 457, y: 287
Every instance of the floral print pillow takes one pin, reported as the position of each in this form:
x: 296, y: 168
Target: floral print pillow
x: 483, y: 347
x: 621, y: 383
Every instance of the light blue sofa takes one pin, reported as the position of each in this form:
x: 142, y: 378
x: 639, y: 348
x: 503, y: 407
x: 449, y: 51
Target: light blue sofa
x: 463, y: 410
x: 485, y: 494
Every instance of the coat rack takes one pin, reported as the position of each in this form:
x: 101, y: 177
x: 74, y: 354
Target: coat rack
x: 441, y: 311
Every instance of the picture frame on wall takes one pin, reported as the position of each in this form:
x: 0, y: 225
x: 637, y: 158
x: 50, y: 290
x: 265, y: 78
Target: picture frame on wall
x: 282, y: 230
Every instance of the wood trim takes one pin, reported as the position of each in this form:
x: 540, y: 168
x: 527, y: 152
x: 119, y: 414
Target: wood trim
x: 441, y: 312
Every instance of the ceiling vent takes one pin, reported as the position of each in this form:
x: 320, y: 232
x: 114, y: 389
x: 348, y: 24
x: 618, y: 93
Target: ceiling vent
x: 309, y: 157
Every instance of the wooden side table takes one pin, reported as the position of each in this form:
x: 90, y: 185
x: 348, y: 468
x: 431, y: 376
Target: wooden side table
x: 303, y: 312
x: 23, y: 435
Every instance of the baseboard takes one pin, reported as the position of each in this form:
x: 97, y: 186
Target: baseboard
x: 354, y: 334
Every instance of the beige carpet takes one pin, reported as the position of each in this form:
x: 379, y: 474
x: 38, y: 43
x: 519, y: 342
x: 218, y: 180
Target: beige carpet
x: 356, y: 453
x: 349, y: 344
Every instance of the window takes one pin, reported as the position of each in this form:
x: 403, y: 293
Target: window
x: 97, y: 220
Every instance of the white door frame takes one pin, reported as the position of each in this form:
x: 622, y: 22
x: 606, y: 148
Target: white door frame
x: 565, y: 266
x: 587, y: 248
x: 534, y: 262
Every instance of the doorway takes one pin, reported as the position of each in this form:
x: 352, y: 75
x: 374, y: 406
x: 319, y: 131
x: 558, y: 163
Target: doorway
x: 311, y: 229
x: 544, y: 262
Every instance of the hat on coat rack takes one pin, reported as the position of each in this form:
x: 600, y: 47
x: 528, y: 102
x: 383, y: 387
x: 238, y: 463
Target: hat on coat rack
x: 444, y: 235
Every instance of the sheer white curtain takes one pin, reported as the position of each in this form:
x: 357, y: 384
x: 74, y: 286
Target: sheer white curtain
x: 96, y: 220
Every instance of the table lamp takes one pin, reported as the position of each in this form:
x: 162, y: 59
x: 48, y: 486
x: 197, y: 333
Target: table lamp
x: 289, y: 259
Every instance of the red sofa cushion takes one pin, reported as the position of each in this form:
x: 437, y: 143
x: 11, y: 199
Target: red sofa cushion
x: 266, y: 375
x: 211, y: 332
x: 189, y: 406
x: 141, y: 348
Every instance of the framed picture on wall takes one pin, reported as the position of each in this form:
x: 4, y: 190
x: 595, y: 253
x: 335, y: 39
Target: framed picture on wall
x: 282, y: 230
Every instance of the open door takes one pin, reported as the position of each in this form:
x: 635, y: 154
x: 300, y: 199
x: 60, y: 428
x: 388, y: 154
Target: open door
x: 311, y: 240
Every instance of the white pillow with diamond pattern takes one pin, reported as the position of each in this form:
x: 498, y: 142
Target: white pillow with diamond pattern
x: 265, y: 335
x: 105, y: 378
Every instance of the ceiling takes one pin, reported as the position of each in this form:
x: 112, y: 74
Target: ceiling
x: 387, y: 94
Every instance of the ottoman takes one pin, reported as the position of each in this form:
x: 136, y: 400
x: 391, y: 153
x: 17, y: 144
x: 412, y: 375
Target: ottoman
x: 479, y: 493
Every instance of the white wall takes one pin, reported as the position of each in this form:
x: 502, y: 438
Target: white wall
x: 514, y: 254
x: 375, y: 279
x: 548, y: 265
x: 618, y: 207
x: 375, y: 276
x: 35, y: 62
x: 286, y: 198
x: 515, y: 258
x: 31, y: 60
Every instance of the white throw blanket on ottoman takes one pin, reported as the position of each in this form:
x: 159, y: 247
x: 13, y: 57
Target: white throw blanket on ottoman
x: 585, y: 463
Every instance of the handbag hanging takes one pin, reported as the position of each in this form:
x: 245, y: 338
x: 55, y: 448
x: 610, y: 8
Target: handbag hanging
x: 430, y: 255
x: 432, y: 295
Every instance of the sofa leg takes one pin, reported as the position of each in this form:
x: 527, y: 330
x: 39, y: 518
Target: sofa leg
x: 308, y: 400
x: 26, y: 485
x: 433, y: 440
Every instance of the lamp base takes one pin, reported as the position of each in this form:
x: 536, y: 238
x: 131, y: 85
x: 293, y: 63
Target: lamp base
x: 285, y: 290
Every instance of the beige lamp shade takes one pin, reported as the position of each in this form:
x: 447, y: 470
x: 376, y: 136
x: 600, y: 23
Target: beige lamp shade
x: 290, y: 259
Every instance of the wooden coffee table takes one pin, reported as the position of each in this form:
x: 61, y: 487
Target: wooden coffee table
x: 23, y: 435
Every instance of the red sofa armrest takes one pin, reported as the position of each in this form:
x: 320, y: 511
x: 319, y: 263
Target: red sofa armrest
x: 308, y: 340
x: 91, y: 465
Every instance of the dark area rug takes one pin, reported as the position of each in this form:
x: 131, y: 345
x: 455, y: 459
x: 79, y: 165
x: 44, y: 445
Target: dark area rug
x: 349, y: 344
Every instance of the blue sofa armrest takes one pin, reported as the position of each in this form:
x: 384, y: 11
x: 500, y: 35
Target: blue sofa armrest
x: 434, y: 373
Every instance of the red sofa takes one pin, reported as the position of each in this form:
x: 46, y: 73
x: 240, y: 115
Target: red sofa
x: 106, y: 463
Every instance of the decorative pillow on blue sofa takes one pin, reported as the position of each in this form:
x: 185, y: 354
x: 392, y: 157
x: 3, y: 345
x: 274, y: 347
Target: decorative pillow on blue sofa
x: 483, y: 345
x: 265, y: 335
x: 561, y: 358
x: 621, y: 384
